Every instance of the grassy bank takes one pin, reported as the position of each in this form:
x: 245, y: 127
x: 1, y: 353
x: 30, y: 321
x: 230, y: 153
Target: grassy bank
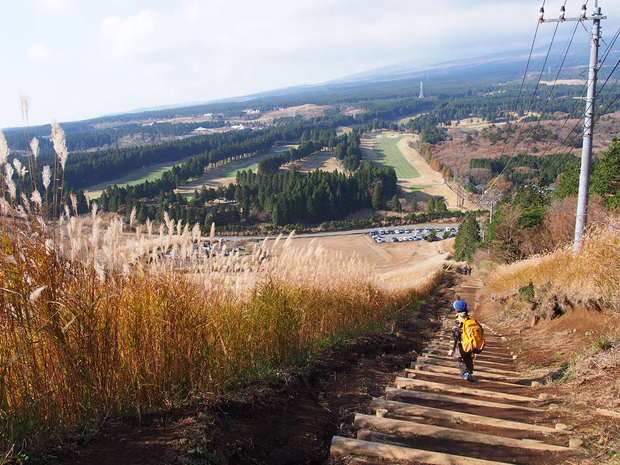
x: 559, y: 313
x: 593, y: 275
x: 98, y: 322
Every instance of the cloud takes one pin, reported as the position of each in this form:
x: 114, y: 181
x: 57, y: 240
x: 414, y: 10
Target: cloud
x: 39, y: 53
x: 117, y: 55
x: 130, y: 36
x: 55, y: 6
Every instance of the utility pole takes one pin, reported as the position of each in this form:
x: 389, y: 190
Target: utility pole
x: 588, y: 122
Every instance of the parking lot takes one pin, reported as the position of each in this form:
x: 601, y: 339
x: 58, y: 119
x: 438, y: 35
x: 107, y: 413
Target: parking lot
x: 413, y: 234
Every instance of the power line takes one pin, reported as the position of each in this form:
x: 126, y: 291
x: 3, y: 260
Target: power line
x: 563, y: 143
x: 531, y: 102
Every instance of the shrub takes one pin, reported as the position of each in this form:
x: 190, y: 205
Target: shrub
x: 527, y: 293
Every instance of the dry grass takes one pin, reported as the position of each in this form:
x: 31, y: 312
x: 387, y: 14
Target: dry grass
x: 102, y: 318
x: 90, y: 328
x: 593, y: 274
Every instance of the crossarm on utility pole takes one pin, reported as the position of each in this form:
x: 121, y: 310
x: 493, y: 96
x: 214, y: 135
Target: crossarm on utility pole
x: 581, y: 216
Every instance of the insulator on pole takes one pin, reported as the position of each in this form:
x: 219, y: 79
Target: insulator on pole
x: 584, y: 11
x: 562, y: 13
x: 542, y: 14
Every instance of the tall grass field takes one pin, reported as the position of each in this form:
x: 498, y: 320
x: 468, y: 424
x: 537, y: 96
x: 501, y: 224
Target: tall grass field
x: 101, y: 317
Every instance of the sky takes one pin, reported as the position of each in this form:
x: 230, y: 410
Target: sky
x: 74, y: 59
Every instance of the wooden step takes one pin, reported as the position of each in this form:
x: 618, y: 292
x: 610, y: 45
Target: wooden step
x: 413, y: 373
x: 482, y: 373
x: 412, y: 428
x: 480, y: 358
x: 482, y: 362
x: 405, y: 409
x: 394, y: 393
x: 502, y: 354
x: 451, y: 363
x: 342, y: 446
x: 403, y: 383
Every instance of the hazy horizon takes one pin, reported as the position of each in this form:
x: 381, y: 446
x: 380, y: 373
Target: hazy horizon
x: 76, y: 60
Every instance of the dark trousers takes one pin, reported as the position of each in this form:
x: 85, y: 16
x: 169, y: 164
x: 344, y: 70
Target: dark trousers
x: 465, y: 361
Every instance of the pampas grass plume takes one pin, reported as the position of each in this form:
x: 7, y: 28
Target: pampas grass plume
x: 4, y: 149
x: 60, y: 144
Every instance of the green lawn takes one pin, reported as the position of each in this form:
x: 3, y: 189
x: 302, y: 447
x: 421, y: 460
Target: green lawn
x: 388, y: 154
x: 146, y: 173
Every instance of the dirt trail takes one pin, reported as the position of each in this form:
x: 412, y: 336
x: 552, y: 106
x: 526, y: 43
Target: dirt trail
x: 298, y: 415
x: 431, y: 416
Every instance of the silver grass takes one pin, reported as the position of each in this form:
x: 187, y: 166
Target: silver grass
x: 60, y: 144
x: 8, y: 178
x: 132, y: 217
x: 4, y: 149
x: 34, y: 295
x: 74, y: 203
x: 5, y: 207
x: 24, y: 105
x: 25, y: 202
x: 35, y: 197
x: 46, y: 176
x: 17, y: 164
x: 34, y: 147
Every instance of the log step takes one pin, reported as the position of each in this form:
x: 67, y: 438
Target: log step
x: 455, y: 388
x: 412, y: 428
x: 484, y: 374
x: 394, y: 393
x: 451, y: 363
x: 501, y: 366
x: 342, y: 446
x: 405, y: 409
x: 412, y: 373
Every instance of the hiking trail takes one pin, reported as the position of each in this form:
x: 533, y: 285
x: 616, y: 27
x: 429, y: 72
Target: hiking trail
x: 432, y: 416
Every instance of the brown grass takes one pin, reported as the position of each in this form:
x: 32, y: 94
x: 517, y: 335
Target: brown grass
x: 99, y: 322
x: 593, y: 274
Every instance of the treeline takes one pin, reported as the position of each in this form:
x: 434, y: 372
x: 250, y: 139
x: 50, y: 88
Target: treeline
x: 85, y: 169
x: 535, y: 219
x: 292, y: 197
x: 547, y: 167
x: 311, y: 141
x: 86, y: 137
x: 282, y: 198
x: 348, y: 151
x: 428, y: 126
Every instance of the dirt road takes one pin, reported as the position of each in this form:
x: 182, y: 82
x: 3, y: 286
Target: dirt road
x: 432, y: 180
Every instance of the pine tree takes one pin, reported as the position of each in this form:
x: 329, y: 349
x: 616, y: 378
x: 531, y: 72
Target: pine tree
x: 377, y: 196
x: 606, y: 176
x: 430, y: 206
x: 395, y: 204
x: 414, y: 203
x: 467, y: 239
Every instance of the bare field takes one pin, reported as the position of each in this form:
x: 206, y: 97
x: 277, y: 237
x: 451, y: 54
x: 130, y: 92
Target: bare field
x: 394, y: 266
x: 309, y: 110
x: 324, y: 161
x: 227, y: 174
x: 565, y: 82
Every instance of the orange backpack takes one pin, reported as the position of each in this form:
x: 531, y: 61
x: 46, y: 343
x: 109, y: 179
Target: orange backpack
x: 472, y: 339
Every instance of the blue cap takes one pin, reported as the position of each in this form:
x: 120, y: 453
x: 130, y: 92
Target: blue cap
x: 460, y: 306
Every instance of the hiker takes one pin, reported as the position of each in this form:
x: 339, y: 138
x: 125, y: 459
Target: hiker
x: 468, y: 337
